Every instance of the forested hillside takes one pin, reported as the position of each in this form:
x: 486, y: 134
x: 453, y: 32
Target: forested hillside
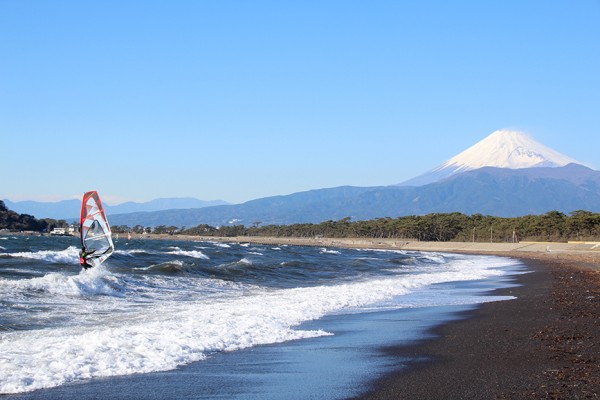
x: 24, y: 222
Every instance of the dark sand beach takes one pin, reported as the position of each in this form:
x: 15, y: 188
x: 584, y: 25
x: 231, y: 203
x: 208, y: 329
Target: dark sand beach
x: 543, y: 345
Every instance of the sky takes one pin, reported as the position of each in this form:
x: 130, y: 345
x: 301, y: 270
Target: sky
x: 239, y: 100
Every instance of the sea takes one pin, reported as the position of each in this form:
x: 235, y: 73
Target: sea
x: 204, y: 319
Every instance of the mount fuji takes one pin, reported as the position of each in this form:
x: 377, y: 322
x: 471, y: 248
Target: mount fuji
x: 501, y: 149
x: 507, y: 174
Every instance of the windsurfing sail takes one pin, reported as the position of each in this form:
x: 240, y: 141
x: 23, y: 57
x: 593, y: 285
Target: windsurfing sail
x: 95, y: 231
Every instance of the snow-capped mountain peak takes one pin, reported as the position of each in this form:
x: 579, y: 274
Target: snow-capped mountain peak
x: 501, y: 149
x: 507, y: 149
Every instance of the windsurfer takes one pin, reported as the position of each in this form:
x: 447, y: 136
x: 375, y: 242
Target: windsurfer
x: 94, y: 233
x: 83, y: 256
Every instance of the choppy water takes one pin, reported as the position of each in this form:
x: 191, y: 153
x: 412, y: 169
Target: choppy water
x: 157, y: 305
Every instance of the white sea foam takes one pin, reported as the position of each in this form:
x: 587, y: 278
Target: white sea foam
x: 68, y: 256
x: 130, y: 252
x: 438, y: 258
x: 325, y: 251
x: 176, y: 264
x: 190, y: 253
x: 173, y: 333
x: 218, y: 244
x: 435, y: 258
x: 90, y: 282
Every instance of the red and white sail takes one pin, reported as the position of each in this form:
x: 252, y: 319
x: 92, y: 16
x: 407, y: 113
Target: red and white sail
x: 95, y: 231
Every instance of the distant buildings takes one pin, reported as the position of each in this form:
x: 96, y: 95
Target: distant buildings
x: 71, y: 230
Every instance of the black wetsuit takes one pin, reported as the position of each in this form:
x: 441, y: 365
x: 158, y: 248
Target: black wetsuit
x: 83, y: 254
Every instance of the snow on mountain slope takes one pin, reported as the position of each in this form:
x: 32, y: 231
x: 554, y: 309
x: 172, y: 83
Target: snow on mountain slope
x: 507, y: 149
x: 501, y: 149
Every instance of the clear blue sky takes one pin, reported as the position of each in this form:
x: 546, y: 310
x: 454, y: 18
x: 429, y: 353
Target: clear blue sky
x: 237, y: 100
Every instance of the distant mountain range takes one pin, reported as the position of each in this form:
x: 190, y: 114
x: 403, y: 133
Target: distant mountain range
x: 69, y: 209
x: 507, y: 174
x: 488, y: 191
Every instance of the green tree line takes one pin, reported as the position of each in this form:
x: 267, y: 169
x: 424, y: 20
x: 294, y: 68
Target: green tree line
x: 439, y: 227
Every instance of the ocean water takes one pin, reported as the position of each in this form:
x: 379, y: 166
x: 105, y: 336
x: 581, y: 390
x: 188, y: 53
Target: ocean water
x: 218, y: 309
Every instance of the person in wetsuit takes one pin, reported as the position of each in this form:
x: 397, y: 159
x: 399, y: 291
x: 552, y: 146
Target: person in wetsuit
x: 83, y: 256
